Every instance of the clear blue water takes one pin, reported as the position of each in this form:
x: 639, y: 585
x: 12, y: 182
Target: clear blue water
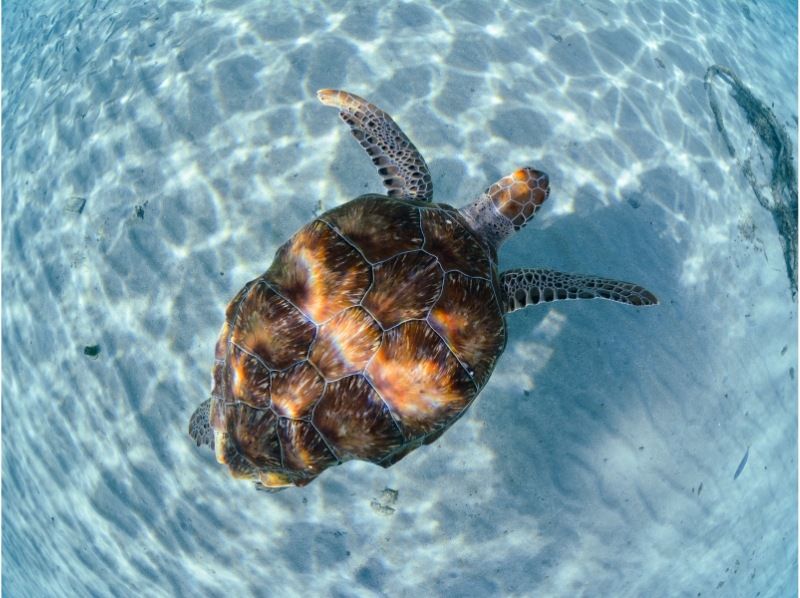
x: 155, y: 154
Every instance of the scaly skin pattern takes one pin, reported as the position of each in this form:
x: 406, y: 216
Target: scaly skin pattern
x: 518, y: 195
x: 401, y: 166
x: 370, y: 334
x: 506, y: 206
x: 531, y: 286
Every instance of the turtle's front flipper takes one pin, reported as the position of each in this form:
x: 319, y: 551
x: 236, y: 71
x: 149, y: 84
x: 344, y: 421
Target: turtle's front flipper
x: 529, y: 286
x: 200, y: 425
x: 404, y: 172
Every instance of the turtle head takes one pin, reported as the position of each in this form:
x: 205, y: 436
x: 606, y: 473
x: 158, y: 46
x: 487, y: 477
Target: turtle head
x: 507, y: 205
x: 518, y: 195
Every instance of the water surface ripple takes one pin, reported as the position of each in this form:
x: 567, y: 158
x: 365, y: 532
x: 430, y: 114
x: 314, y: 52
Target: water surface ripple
x: 155, y: 155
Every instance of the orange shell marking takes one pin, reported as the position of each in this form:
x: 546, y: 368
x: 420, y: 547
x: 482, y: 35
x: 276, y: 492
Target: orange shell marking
x: 248, y: 379
x: 356, y: 421
x: 418, y: 377
x: 345, y: 343
x: 468, y: 317
x: 295, y: 390
x: 268, y: 326
x: 319, y: 272
x: 395, y: 296
x: 303, y: 447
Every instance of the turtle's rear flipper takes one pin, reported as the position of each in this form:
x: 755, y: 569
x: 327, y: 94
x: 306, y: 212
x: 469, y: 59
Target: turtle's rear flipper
x: 403, y: 169
x: 199, y: 425
x: 530, y: 286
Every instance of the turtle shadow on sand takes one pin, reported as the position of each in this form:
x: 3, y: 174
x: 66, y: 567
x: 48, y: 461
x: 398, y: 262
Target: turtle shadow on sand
x: 770, y: 172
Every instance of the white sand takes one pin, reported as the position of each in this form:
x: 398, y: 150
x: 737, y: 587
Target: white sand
x: 578, y: 470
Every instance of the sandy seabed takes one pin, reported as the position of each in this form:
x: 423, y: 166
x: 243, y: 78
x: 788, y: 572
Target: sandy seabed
x: 155, y: 155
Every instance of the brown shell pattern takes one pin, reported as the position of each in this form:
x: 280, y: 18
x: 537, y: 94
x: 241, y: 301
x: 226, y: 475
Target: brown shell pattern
x: 455, y: 247
x: 345, y: 343
x: 248, y: 380
x: 466, y: 317
x: 419, y: 378
x: 396, y: 296
x: 296, y: 390
x: 268, y: 326
x: 319, y: 272
x: 356, y: 420
x: 372, y: 331
x: 380, y: 229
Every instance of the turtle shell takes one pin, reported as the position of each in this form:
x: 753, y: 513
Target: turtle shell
x: 373, y: 330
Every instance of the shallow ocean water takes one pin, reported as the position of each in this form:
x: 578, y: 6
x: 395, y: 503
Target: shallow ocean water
x: 156, y: 154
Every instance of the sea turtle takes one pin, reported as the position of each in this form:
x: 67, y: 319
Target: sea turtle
x: 378, y: 323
